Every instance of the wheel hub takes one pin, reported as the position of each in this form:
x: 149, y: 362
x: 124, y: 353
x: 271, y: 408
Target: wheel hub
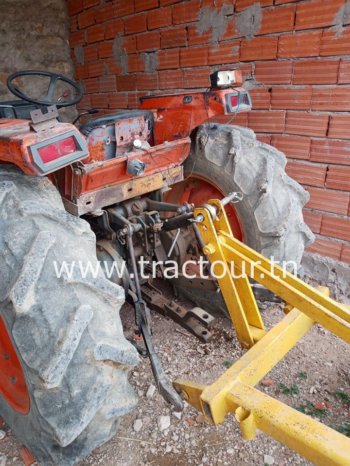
x: 198, y: 190
x: 13, y: 385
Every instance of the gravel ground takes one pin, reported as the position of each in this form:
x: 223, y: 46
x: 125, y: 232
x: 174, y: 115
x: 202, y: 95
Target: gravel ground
x: 310, y: 378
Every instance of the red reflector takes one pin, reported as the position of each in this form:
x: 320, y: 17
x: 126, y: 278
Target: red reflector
x: 58, y: 149
x: 234, y: 100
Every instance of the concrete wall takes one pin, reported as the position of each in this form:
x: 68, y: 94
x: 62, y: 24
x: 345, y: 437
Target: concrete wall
x: 295, y: 58
x: 33, y: 35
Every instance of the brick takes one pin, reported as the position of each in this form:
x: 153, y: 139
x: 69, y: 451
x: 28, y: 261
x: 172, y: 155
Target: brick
x: 142, y: 5
x: 295, y: 147
x: 197, y: 38
x: 95, y: 33
x: 291, y: 98
x: 260, y: 48
x: 338, y: 178
x: 95, y: 69
x: 316, y: 72
x: 277, y: 20
x: 90, y: 3
x: 129, y: 44
x: 85, y: 103
x: 118, y: 100
x: 114, y: 28
x: 299, y: 45
x: 243, y: 4
x: 282, y: 2
x: 169, y: 2
x: 261, y: 98
x: 104, y: 13
x: 171, y: 38
x: 91, y: 85
x: 171, y: 79
x: 75, y: 6
x: 326, y: 247
x: 126, y: 83
x: 168, y: 59
x: 135, y: 23
x: 159, y: 18
x: 227, y: 52
x: 228, y: 4
x: 108, y: 83
x: 147, y: 81
x: 105, y: 49
x: 313, y: 220
x: 344, y: 72
x: 196, y: 77
x: 274, y: 72
x: 27, y: 457
x: 99, y: 101
x: 266, y: 122
x: 196, y: 56
x: 77, y: 38
x: 335, y: 44
x: 329, y: 151
x: 326, y: 99
x: 345, y: 254
x: 148, y: 41
x: 123, y: 8
x: 339, y: 127
x: 90, y: 53
x: 186, y: 12
x: 317, y: 13
x: 265, y: 138
x: 336, y: 227
x: 73, y: 26
x: 335, y: 202
x: 82, y: 72
x: 135, y: 64
x: 308, y: 124
x: 307, y: 173
x: 241, y: 119
x: 86, y: 19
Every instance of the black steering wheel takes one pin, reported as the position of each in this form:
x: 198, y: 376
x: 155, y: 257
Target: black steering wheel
x: 49, y: 99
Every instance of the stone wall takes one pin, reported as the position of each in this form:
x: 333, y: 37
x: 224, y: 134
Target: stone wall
x: 33, y: 35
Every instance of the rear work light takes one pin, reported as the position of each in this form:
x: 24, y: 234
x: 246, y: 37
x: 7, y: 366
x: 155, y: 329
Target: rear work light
x: 59, y: 151
x: 224, y: 79
x: 238, y: 101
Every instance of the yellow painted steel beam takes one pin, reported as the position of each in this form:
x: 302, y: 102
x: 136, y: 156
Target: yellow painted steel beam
x: 236, y: 291
x: 315, y: 441
x: 321, y: 309
x: 252, y: 366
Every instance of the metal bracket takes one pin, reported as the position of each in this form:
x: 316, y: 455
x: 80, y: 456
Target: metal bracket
x: 44, y: 121
x: 197, y: 321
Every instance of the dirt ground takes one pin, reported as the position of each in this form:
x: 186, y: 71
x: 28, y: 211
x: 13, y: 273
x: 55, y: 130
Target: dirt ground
x: 314, y: 377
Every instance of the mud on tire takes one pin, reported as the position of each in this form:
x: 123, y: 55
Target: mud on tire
x: 67, y: 331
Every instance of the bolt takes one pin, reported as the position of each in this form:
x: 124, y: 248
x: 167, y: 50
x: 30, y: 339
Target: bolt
x: 209, y: 249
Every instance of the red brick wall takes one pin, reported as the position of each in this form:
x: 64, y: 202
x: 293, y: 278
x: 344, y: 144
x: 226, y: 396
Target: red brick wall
x: 295, y: 56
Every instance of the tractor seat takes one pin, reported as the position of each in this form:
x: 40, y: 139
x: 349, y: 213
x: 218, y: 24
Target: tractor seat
x: 87, y: 128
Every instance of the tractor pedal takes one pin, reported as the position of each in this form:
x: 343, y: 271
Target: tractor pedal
x: 196, y: 320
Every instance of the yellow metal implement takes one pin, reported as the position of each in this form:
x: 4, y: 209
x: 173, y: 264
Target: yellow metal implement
x: 234, y: 391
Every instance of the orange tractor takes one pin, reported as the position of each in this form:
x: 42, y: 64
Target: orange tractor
x: 117, y: 189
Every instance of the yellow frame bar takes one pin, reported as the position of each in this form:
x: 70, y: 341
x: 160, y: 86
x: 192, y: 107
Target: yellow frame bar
x: 234, y: 391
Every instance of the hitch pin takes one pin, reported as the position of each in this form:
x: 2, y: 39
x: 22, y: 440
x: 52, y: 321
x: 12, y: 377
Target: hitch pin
x: 174, y: 242
x: 232, y: 197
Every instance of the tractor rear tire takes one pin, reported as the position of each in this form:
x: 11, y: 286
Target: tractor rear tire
x: 65, y: 330
x: 270, y: 216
